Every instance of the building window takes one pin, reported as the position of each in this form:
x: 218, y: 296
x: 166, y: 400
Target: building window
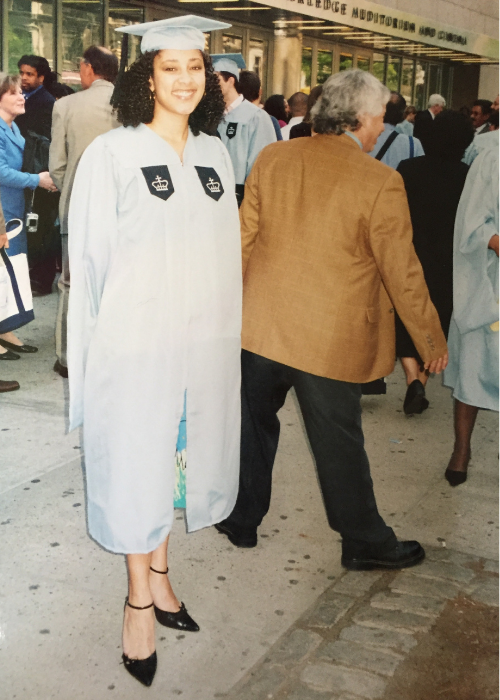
x: 434, y: 79
x: 420, y: 85
x: 81, y: 28
x: 232, y: 43
x: 305, y: 74
x: 30, y: 31
x: 363, y: 63
x: 121, y: 14
x: 257, y: 58
x: 393, y: 73
x: 379, y: 63
x: 446, y: 82
x: 345, y: 62
x: 325, y: 61
x: 407, y: 80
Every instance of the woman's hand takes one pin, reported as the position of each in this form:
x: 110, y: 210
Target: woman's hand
x: 493, y: 244
x: 4, y: 241
x: 46, y: 182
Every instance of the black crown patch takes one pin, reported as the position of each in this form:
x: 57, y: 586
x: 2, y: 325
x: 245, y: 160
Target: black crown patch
x: 211, y: 182
x: 158, y: 181
x: 231, y: 129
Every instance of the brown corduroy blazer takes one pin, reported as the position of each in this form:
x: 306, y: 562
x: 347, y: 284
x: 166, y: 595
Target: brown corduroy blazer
x: 327, y: 255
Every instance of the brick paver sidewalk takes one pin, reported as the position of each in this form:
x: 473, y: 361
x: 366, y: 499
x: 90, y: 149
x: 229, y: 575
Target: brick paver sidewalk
x: 350, y: 643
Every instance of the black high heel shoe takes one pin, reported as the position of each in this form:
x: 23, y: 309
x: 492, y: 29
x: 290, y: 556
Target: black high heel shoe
x: 180, y: 620
x: 143, y: 670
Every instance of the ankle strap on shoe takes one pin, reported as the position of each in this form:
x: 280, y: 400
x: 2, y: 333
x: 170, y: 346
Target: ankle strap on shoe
x: 159, y: 572
x: 136, y: 607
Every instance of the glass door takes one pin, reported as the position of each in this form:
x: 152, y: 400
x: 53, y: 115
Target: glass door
x: 407, y: 74
x: 306, y: 71
x: 345, y: 60
x: 324, y: 66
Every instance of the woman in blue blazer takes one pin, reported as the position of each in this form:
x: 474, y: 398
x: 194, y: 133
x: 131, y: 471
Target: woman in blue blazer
x: 16, y: 304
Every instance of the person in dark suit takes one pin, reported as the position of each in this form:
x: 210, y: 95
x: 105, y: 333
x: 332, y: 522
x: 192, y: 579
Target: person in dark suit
x: 433, y: 184
x: 305, y: 127
x: 424, y: 120
x: 480, y: 114
x: 44, y: 244
x: 36, y: 80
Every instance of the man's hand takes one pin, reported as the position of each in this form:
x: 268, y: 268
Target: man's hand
x: 493, y: 244
x: 4, y: 241
x: 437, y: 366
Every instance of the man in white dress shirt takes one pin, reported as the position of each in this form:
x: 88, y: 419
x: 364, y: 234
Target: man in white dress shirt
x: 298, y: 108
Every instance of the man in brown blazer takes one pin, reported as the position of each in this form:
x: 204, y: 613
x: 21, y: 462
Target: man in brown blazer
x: 327, y: 256
x: 76, y: 121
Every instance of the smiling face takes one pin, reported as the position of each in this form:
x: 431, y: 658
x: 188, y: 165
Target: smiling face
x: 178, y: 80
x: 12, y: 103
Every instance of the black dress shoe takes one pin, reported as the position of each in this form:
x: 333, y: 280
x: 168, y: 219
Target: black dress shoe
x: 455, y: 478
x: 239, y: 536
x: 143, y: 670
x: 61, y: 369
x: 400, y: 556
x: 8, y: 386
x: 18, y: 348
x: 9, y: 355
x: 415, y: 401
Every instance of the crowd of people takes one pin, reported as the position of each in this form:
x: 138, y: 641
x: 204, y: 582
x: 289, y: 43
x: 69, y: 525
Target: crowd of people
x: 302, y: 243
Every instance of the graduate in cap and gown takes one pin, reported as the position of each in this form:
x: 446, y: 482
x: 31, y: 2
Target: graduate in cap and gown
x: 155, y: 319
x: 472, y: 372
x: 245, y: 128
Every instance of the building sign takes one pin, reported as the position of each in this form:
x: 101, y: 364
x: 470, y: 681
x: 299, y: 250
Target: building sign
x: 384, y: 20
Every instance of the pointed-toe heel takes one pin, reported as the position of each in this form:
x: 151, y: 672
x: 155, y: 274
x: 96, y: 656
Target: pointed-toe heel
x: 180, y: 620
x: 143, y: 670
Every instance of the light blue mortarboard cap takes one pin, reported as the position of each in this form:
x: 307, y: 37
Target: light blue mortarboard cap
x: 228, y: 62
x: 182, y: 33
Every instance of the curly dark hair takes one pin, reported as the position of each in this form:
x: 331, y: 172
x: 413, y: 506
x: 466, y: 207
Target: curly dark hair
x: 134, y: 102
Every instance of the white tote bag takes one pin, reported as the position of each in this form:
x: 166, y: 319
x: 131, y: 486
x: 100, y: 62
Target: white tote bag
x: 15, y: 289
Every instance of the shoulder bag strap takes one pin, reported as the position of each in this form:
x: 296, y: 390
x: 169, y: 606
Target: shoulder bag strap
x: 412, y: 146
x: 387, y: 145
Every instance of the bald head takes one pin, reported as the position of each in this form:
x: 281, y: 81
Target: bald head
x: 98, y: 63
x: 298, y: 104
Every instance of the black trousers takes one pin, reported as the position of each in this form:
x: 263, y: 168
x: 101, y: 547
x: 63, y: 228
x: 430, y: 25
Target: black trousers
x: 332, y: 416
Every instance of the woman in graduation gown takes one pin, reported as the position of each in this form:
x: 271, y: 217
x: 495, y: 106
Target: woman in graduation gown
x: 472, y: 372
x: 155, y: 319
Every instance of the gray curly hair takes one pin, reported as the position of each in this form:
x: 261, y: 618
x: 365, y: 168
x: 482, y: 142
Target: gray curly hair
x: 347, y: 96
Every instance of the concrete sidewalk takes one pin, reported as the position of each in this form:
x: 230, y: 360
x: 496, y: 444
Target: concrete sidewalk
x: 61, y: 599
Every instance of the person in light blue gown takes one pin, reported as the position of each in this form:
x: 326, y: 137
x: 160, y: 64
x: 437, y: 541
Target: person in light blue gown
x: 472, y: 372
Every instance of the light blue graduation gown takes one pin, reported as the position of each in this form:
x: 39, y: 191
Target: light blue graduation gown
x: 479, y: 142
x: 244, y: 132
x: 154, y: 317
x: 405, y: 127
x: 400, y: 148
x: 472, y: 372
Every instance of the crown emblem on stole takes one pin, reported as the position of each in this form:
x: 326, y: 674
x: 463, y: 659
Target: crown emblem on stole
x: 213, y: 186
x: 159, y: 184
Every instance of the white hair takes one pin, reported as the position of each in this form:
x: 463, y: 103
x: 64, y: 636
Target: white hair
x: 345, y: 98
x: 436, y: 100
